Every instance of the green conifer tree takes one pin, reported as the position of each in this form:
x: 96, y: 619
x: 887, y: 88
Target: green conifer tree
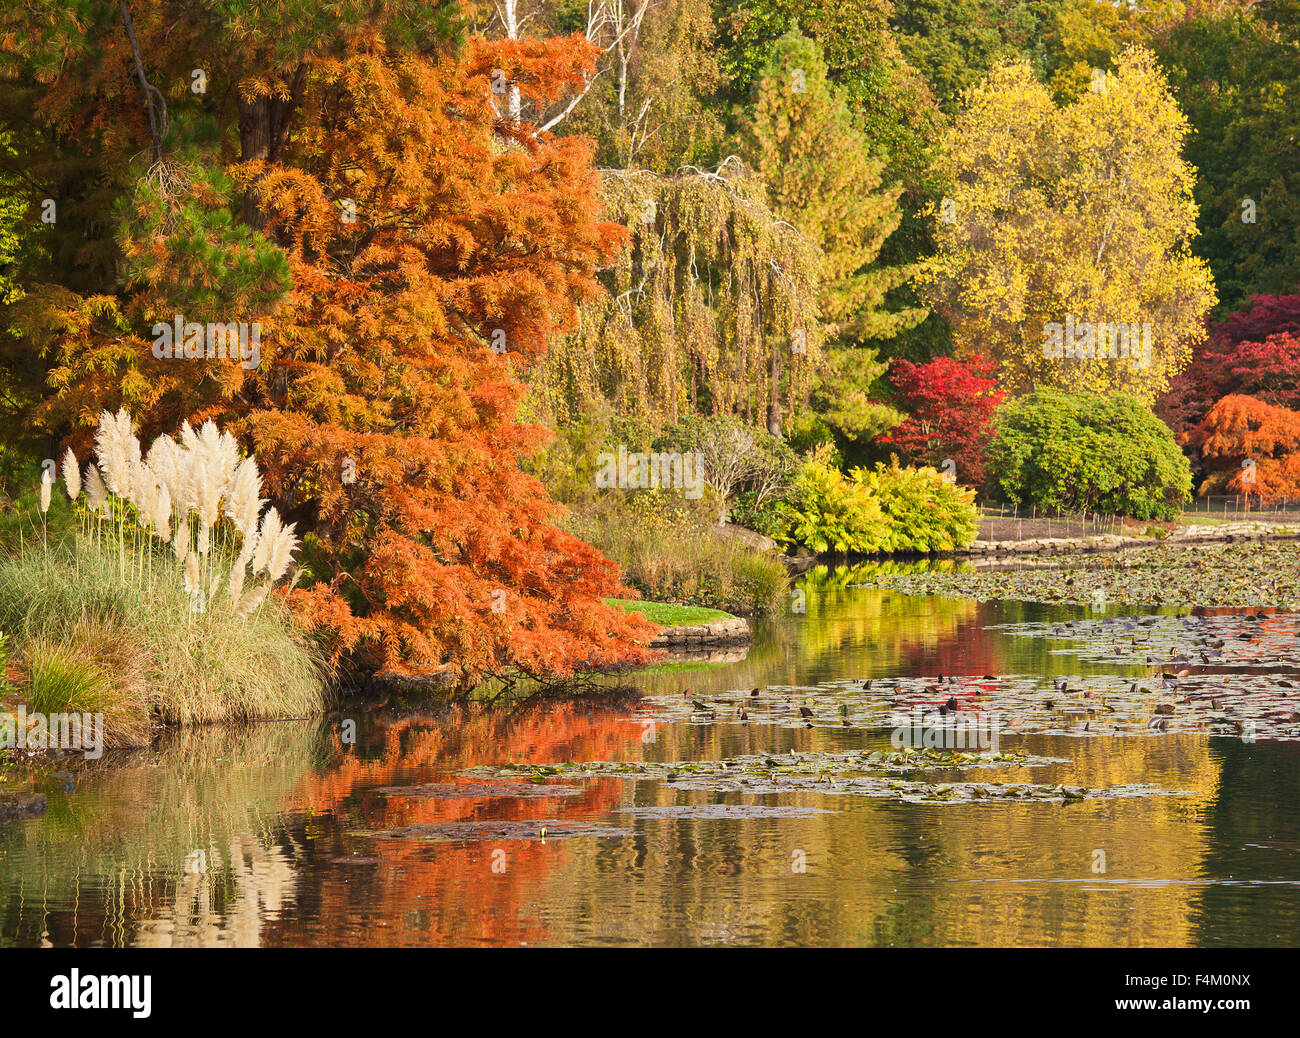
x: 823, y: 177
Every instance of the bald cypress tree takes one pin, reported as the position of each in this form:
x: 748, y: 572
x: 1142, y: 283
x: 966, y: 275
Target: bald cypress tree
x: 340, y: 178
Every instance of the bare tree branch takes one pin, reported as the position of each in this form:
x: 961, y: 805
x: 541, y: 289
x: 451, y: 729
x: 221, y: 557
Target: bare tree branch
x: 157, y: 119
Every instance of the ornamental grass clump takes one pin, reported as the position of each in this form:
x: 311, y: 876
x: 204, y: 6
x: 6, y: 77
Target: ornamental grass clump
x: 164, y: 585
x: 178, y: 494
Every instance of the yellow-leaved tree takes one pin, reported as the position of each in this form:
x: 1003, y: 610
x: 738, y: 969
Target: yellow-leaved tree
x: 1063, y: 242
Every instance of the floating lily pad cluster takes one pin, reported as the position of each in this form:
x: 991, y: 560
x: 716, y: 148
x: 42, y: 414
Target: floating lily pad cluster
x: 869, y: 774
x: 812, y: 764
x: 1235, y: 641
x: 712, y: 812
x: 1250, y: 705
x: 844, y: 703
x: 1243, y: 575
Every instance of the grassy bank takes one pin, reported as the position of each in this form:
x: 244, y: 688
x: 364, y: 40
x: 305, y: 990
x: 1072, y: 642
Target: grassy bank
x: 85, y: 639
x: 668, y: 614
x: 680, y: 557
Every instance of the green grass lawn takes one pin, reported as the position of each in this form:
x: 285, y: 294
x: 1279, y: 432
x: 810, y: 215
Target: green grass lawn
x: 670, y: 615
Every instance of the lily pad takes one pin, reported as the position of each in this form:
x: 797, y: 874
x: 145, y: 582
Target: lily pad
x: 481, y: 791
x: 716, y: 811
x: 1238, y: 575
x: 441, y: 832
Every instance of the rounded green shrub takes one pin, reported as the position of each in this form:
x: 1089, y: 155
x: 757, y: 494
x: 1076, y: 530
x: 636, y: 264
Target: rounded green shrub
x: 1086, y: 453
x: 887, y: 509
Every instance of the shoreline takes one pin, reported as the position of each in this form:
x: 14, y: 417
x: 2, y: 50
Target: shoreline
x: 1227, y: 533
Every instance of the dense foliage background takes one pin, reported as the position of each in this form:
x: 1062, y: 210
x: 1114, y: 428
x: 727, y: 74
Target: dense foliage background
x: 821, y: 242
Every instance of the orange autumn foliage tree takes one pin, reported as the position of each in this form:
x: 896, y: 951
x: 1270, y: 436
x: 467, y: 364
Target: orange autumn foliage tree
x: 406, y: 250
x: 1241, y: 430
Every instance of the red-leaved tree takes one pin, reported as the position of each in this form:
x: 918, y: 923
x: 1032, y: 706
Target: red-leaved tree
x: 949, y: 405
x: 1267, y: 315
x: 1253, y: 353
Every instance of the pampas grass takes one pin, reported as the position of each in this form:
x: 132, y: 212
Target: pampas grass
x: 191, y: 574
x: 71, y: 474
x: 162, y: 514
x: 177, y: 488
x: 250, y: 602
x: 181, y: 541
x: 89, y: 667
x: 236, y: 584
x: 281, y: 554
x: 156, y: 656
x: 96, y: 492
x: 157, y: 634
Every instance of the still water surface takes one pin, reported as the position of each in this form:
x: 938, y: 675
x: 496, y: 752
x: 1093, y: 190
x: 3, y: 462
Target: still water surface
x: 266, y: 835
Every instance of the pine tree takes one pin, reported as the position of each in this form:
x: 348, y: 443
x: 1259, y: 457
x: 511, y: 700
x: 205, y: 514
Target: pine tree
x: 842, y: 402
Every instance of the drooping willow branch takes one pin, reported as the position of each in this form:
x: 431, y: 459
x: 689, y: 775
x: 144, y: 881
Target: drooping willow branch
x: 703, y: 306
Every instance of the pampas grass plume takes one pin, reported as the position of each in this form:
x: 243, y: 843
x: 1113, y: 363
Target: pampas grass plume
x: 96, y: 493
x: 266, y: 540
x: 250, y: 602
x: 236, y: 582
x: 191, y: 573
x: 281, y: 553
x: 162, y: 513
x: 71, y: 475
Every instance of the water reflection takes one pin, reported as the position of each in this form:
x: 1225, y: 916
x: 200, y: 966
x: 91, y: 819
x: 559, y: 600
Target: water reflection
x: 265, y: 835
x: 849, y: 631
x: 187, y: 845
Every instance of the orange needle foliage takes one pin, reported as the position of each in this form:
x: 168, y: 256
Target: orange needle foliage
x: 383, y: 411
x: 463, y: 242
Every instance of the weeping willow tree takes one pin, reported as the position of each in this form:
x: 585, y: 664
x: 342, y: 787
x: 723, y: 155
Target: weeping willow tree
x: 712, y: 308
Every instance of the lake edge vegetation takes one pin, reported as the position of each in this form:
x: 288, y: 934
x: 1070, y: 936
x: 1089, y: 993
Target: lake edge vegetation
x: 847, y: 274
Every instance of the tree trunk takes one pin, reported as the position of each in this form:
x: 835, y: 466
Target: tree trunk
x: 263, y: 128
x: 514, y: 100
x: 254, y: 146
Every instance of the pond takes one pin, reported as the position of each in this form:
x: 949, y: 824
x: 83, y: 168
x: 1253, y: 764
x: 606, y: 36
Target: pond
x: 1123, y: 808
